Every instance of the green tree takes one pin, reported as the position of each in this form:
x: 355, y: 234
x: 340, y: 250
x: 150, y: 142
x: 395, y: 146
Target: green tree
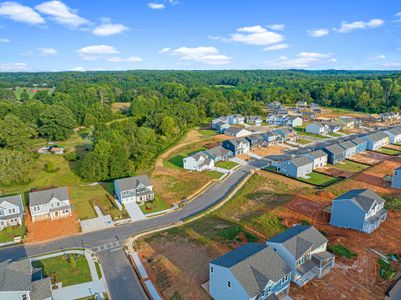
x: 14, y: 133
x: 56, y: 122
x: 24, y: 96
x: 15, y: 167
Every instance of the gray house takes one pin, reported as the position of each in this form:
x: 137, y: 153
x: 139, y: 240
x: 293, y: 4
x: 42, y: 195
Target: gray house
x: 287, y: 134
x: 256, y: 141
x: 298, y: 166
x: 11, y: 211
x: 318, y: 157
x: 252, y: 271
x: 396, y: 179
x: 219, y: 153
x: 303, y: 248
x: 360, y: 209
x: 350, y: 148
x: 335, y: 153
x: 137, y: 189
x: 236, y: 131
x: 376, y: 140
x: 394, y: 134
x: 237, y: 146
x: 221, y: 126
x: 17, y: 282
x: 361, y: 144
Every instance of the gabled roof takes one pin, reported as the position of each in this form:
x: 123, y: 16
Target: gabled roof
x: 394, y: 131
x: 300, y: 239
x: 284, y: 130
x: 347, y: 145
x: 377, y: 136
x: 363, y: 198
x: 218, y: 151
x: 335, y: 149
x: 316, y: 154
x: 301, y: 161
x: 15, y: 200
x: 254, y: 265
x: 130, y: 183
x: 15, y: 275
x: 45, y: 196
x: 318, y: 124
x: 199, y: 155
x: 233, y: 130
x: 279, y: 157
x: 358, y: 141
x: 237, y: 142
x: 41, y: 289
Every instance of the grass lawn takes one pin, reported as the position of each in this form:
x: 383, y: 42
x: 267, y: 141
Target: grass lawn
x: 303, y: 141
x: 319, y: 179
x: 350, y: 166
x: 229, y: 165
x: 388, y: 151
x: 270, y: 168
x: 207, y: 132
x: 302, y: 131
x: 386, y: 270
x: 61, y: 269
x: 158, y: 204
x: 176, y: 160
x: 341, y: 250
x: 335, y: 134
x: 214, y: 174
x: 8, y: 234
x: 18, y: 91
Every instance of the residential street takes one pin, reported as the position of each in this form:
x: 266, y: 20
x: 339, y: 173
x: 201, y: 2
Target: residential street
x: 108, y: 242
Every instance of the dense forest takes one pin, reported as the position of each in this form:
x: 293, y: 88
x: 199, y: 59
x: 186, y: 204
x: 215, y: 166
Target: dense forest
x: 164, y: 104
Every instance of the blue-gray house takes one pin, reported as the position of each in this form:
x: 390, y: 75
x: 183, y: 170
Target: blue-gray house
x: 361, y: 144
x: 359, y: 209
x: 252, y: 271
x: 335, y: 152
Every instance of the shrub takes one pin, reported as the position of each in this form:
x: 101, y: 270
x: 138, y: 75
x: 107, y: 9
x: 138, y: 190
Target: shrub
x: 71, y: 156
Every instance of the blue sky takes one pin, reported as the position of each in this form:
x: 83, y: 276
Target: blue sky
x: 83, y: 35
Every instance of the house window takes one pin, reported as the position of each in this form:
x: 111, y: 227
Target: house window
x: 211, y: 270
x: 229, y: 284
x: 24, y: 297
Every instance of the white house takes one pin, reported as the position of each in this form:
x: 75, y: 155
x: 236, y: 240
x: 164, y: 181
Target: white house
x: 257, y: 120
x: 236, y: 132
x: 199, y: 161
x: 235, y: 119
x: 134, y: 189
x: 219, y: 120
x: 394, y: 134
x: 396, y: 179
x: 49, y: 204
x: 294, y: 121
x: 318, y: 157
x: 317, y: 128
x: 11, y: 211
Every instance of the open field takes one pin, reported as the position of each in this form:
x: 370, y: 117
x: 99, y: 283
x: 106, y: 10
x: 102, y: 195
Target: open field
x: 270, y: 150
x: 31, y: 91
x: 70, y: 269
x: 121, y: 107
x: 303, y: 141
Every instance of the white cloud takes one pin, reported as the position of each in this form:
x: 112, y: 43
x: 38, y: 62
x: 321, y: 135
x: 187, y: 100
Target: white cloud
x: 47, y: 51
x: 61, y: 13
x: 276, y: 47
x: 256, y: 35
x: 156, y: 5
x: 95, y: 52
x: 348, y: 27
x: 130, y: 59
x: 164, y: 50
x: 107, y: 29
x: 20, y: 13
x: 380, y: 57
x: 302, y: 60
x: 318, y: 32
x: 277, y: 27
x: 399, y: 17
x: 392, y: 65
x: 4, y: 40
x: 13, y: 67
x: 78, y: 69
x: 206, y: 55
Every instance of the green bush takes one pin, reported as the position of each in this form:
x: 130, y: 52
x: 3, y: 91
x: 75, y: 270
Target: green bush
x: 71, y: 156
x: 50, y: 167
x: 343, y: 251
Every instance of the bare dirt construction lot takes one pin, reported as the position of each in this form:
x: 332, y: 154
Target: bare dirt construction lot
x: 48, y: 229
x: 271, y: 150
x: 365, y: 159
x: 334, y: 172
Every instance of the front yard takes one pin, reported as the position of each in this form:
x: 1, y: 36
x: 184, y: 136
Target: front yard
x: 158, y: 204
x: 8, y: 234
x: 229, y: 165
x: 70, y: 269
x: 319, y: 179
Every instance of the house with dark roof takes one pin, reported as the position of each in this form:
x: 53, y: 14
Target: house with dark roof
x: 137, y: 189
x: 237, y: 146
x: 394, y: 135
x: 236, y: 131
x: 256, y: 141
x: 272, y: 138
x: 318, y: 158
x: 11, y: 211
x: 252, y: 271
x: 287, y: 134
x: 221, y: 126
x: 359, y: 209
x: 350, y: 148
x: 17, y: 282
x: 199, y: 162
x: 219, y: 153
x: 335, y: 153
x: 303, y: 248
x: 376, y: 140
x: 50, y: 204
x: 361, y: 144
x: 298, y: 166
x: 219, y: 120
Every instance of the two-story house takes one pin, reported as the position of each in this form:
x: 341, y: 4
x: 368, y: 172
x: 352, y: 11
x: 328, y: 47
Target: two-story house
x: 17, y: 282
x: 252, y: 271
x: 256, y: 120
x: 220, y: 127
x: 394, y: 134
x: 277, y: 119
x: 376, y: 140
x: 361, y: 144
x: 298, y: 166
x: 287, y: 134
x: 396, y: 179
x: 235, y: 119
x: 349, y: 147
x: 335, y: 153
x: 217, y: 121
x: 236, y: 131
x: 359, y: 209
x: 294, y: 121
x: 303, y: 248
x: 272, y: 138
x: 317, y: 128
x: 237, y: 146
x: 256, y: 141
x: 219, y: 153
x: 137, y: 189
x: 301, y: 104
x: 11, y: 211
x: 199, y: 162
x: 318, y: 157
x: 50, y: 204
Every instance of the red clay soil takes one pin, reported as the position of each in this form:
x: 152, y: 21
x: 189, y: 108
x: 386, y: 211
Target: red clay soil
x: 48, y: 230
x: 335, y: 172
x: 364, y: 159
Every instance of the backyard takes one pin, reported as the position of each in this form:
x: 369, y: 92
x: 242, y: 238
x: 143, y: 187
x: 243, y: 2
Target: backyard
x: 351, y: 166
x: 388, y: 151
x: 319, y: 179
x: 70, y: 269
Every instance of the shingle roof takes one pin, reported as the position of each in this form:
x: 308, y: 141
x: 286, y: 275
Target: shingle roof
x: 335, y: 149
x: 15, y: 200
x: 15, y: 275
x: 347, y: 145
x: 44, y: 197
x: 130, y: 183
x: 41, y: 289
x: 316, y: 154
x: 218, y: 151
x: 377, y: 136
x: 299, y: 239
x: 300, y: 161
x: 236, y: 142
x: 394, y: 131
x: 233, y: 130
x: 254, y: 265
x: 279, y: 157
x: 358, y: 141
x: 363, y: 198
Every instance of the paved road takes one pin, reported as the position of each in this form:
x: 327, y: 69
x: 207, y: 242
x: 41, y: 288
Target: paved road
x: 106, y: 242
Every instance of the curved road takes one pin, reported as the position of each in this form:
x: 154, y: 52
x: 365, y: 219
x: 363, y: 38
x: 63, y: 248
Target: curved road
x: 120, y: 279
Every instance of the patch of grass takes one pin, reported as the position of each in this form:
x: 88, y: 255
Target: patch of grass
x: 393, y: 203
x: 18, y: 91
x: 176, y: 161
x: 207, y: 132
x: 270, y: 168
x: 335, y: 134
x: 232, y: 234
x: 158, y: 204
x: 351, y: 166
x: 268, y: 224
x: 302, y: 131
x: 226, y: 164
x: 386, y: 270
x: 343, y: 251
x: 70, y: 269
x: 303, y: 141
x: 98, y: 270
x: 388, y: 151
x: 8, y: 234
x: 319, y: 179
x: 214, y: 174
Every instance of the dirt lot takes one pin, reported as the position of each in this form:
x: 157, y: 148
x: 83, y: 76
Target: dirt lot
x: 264, y: 151
x: 365, y: 159
x: 47, y: 229
x: 334, y: 172
x: 120, y: 106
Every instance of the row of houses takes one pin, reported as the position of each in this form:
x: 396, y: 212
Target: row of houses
x: 205, y: 160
